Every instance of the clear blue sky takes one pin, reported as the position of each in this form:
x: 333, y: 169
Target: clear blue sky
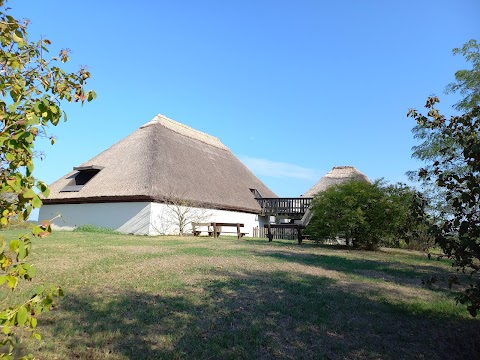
x: 293, y: 88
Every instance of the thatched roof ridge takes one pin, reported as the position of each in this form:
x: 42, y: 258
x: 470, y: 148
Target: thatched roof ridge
x: 165, y: 160
x: 336, y: 176
x: 185, y: 130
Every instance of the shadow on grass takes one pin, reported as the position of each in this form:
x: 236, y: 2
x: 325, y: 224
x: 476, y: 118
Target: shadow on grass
x: 253, y: 315
x: 386, y: 270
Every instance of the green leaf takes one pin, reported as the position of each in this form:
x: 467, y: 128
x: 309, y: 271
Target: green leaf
x: 12, y: 107
x: 36, y: 202
x: 91, y: 96
x: 29, y: 194
x: 32, y: 119
x: 46, y: 192
x: 17, y: 36
x: 33, y: 323
x: 12, y: 281
x: 30, y: 167
x: 3, y: 279
x: 37, y: 230
x: 22, y: 251
x: 14, y: 245
x: 29, y: 137
x: 6, y: 329
x: 31, y: 270
x: 26, y: 212
x: 22, y: 315
x: 43, y: 188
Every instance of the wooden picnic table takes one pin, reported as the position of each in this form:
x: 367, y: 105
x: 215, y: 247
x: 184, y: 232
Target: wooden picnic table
x: 216, y: 228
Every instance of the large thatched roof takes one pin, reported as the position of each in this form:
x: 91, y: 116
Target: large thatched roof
x: 337, y: 175
x: 162, y: 161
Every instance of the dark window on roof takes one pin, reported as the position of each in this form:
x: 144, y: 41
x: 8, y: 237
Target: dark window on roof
x: 83, y: 176
x: 256, y: 194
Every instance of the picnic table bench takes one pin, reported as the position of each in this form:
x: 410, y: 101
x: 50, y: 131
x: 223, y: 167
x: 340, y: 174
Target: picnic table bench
x: 298, y: 227
x: 197, y: 231
x: 216, y: 228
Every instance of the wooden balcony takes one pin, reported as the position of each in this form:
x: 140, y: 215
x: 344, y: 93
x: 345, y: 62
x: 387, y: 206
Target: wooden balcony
x: 291, y: 207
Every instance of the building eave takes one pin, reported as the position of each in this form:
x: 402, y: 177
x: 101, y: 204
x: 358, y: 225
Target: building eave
x: 142, y: 198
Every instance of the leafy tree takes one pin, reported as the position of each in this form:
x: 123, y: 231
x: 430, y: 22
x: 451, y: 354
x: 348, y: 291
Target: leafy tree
x: 365, y: 215
x: 409, y: 221
x: 467, y: 81
x: 433, y: 140
x: 178, y: 215
x: 457, y: 232
x: 32, y: 88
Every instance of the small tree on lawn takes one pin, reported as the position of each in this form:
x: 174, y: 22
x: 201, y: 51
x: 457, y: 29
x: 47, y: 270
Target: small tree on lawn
x: 32, y: 88
x: 178, y: 215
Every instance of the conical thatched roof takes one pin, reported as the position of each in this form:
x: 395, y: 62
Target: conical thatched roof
x: 337, y: 175
x: 162, y: 161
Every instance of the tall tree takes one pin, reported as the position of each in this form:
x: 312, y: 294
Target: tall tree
x: 433, y: 140
x: 32, y: 88
x: 467, y: 81
x: 458, y: 231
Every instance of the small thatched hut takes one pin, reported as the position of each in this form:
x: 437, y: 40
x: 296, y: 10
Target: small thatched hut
x: 129, y: 186
x: 336, y: 176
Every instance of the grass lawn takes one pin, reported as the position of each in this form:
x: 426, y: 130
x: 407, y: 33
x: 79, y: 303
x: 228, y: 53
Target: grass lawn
x: 131, y: 297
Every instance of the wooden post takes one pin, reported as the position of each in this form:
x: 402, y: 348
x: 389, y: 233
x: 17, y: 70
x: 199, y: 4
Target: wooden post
x: 299, y: 231
x: 214, y: 230
x: 269, y: 233
x: 238, y: 231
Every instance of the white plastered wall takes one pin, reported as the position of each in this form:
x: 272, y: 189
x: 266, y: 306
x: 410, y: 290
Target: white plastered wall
x: 128, y: 217
x: 140, y: 218
x: 164, y: 220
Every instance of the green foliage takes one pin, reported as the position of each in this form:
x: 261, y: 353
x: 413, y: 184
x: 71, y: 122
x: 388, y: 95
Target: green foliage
x: 450, y: 151
x: 31, y: 90
x: 467, y: 81
x: 408, y: 225
x: 457, y: 232
x: 95, y: 229
x: 433, y: 141
x: 365, y: 215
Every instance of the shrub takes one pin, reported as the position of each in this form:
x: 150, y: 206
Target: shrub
x: 95, y: 229
x: 367, y: 215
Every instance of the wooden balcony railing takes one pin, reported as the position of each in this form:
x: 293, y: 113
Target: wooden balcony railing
x: 284, y: 206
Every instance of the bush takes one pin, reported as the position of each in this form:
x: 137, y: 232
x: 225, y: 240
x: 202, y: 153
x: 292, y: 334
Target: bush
x: 366, y: 215
x: 95, y: 229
